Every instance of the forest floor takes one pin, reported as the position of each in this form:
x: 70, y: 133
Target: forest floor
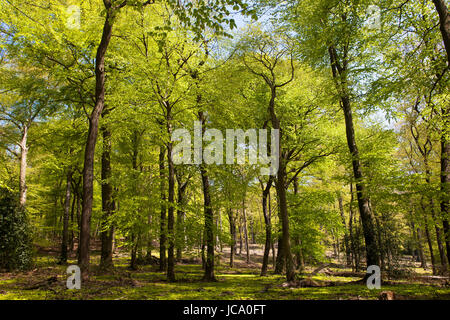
x: 335, y: 282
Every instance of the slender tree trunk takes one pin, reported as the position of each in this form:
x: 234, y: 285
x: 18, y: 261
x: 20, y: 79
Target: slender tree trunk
x: 280, y: 261
x: 417, y: 237
x: 134, y: 250
x: 72, y: 234
x: 220, y: 232
x: 203, y: 249
x: 23, y: 167
x: 135, y: 236
x: 297, y: 241
x: 78, y: 195
x: 423, y: 261
x: 441, y: 249
x: 170, y: 216
x: 149, y: 237
x: 383, y: 248
x: 209, y: 235
x: 430, y: 248
x: 163, y: 228
x: 209, y: 225
x: 353, y: 237
x: 181, y: 194
x: 346, y: 237
x: 232, y: 220
x: 268, y: 227
x: 352, y: 240
x: 106, y: 234
x: 244, y: 217
x: 252, y: 231
x: 217, y: 242
x: 273, y: 242
x: 65, y: 232
x: 301, y: 257
x: 241, y: 241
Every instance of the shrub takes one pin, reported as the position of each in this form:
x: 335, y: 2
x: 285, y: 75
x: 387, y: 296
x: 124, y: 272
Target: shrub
x: 15, y: 234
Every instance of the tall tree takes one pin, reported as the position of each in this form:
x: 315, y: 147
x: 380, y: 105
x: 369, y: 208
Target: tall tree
x: 24, y: 100
x: 337, y: 29
x: 89, y: 153
x: 269, y: 64
x: 444, y: 26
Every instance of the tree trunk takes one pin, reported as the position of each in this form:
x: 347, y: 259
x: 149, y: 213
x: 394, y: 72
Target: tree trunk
x: 268, y: 226
x: 445, y: 179
x: 106, y: 234
x: 134, y: 250
x: 135, y: 236
x: 241, y: 241
x: 72, y: 234
x: 78, y: 221
x: 423, y: 261
x: 65, y: 232
x: 203, y: 245
x: 252, y: 231
x: 170, y: 216
x: 281, y: 191
x: 209, y: 225
x: 232, y: 220
x: 441, y: 249
x: 383, y: 249
x: 244, y: 217
x: 301, y: 257
x: 444, y: 24
x: 149, y: 236
x: 273, y: 242
x: 280, y: 261
x: 299, y: 252
x: 163, y: 229
x: 23, y: 167
x: 219, y: 218
x: 353, y: 236
x: 430, y: 247
x: 346, y: 240
x: 417, y: 236
x: 181, y: 195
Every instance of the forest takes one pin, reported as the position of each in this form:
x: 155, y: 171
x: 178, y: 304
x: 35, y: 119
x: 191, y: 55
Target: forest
x: 224, y: 149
